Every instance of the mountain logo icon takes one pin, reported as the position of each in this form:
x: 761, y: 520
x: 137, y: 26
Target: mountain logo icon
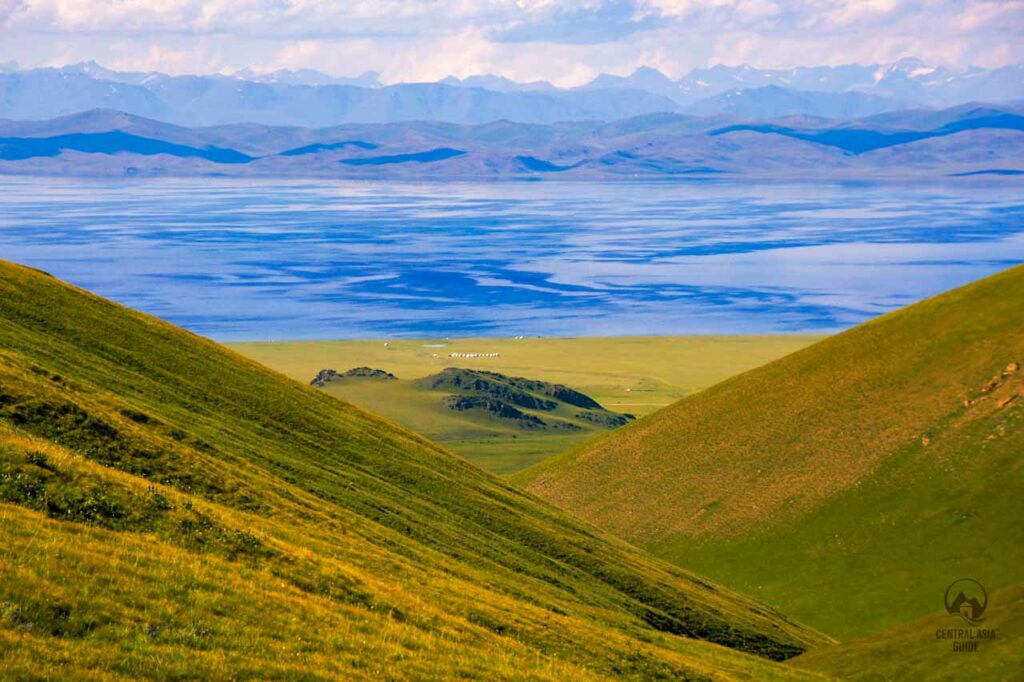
x: 968, y: 599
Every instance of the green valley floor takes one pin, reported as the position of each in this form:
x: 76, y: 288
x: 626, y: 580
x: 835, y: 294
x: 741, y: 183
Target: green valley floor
x: 635, y: 375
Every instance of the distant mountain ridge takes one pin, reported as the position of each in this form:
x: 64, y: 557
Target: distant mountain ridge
x: 966, y: 141
x: 307, y: 97
x: 907, y: 79
x: 299, y: 98
x: 772, y: 101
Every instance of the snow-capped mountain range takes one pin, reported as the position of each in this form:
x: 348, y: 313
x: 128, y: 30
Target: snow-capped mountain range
x: 311, y: 98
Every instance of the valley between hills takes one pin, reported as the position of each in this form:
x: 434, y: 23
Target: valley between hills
x: 511, y: 341
x: 780, y: 507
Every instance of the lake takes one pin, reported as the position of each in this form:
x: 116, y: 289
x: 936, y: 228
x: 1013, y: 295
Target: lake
x: 237, y: 260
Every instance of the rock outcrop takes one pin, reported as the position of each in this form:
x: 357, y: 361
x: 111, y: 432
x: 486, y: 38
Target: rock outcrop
x: 325, y: 376
x: 461, y: 403
x: 322, y: 377
x: 604, y: 418
x: 492, y: 384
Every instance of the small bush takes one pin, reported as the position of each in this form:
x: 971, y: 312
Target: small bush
x: 137, y: 417
x: 39, y: 459
x: 54, y: 618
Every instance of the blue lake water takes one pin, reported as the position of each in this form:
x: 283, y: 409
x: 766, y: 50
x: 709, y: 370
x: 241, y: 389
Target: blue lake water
x: 292, y: 260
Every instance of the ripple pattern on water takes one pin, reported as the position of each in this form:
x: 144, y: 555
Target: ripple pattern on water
x: 278, y: 260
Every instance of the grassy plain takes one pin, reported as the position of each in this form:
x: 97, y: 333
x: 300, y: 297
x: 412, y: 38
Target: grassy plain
x: 637, y: 375
x: 497, y: 446
x: 172, y: 510
x: 848, y: 483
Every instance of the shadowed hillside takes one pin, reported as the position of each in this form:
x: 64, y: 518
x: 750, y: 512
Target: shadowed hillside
x: 847, y: 483
x: 170, y: 509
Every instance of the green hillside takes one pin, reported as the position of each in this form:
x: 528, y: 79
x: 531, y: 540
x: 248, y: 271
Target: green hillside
x: 847, y: 483
x: 912, y: 651
x: 169, y: 509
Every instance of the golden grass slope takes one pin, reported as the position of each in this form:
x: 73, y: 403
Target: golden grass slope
x: 169, y: 509
x: 880, y: 462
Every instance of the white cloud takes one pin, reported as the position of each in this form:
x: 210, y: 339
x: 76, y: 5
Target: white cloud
x: 200, y: 57
x: 846, y: 12
x: 567, y: 41
x: 9, y: 7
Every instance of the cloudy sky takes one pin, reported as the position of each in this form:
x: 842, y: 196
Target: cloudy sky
x: 565, y: 41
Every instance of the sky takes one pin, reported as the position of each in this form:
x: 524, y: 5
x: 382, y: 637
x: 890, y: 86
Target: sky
x: 567, y: 42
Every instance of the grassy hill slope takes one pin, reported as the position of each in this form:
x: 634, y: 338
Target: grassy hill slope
x: 171, y: 509
x: 912, y: 651
x: 847, y: 483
